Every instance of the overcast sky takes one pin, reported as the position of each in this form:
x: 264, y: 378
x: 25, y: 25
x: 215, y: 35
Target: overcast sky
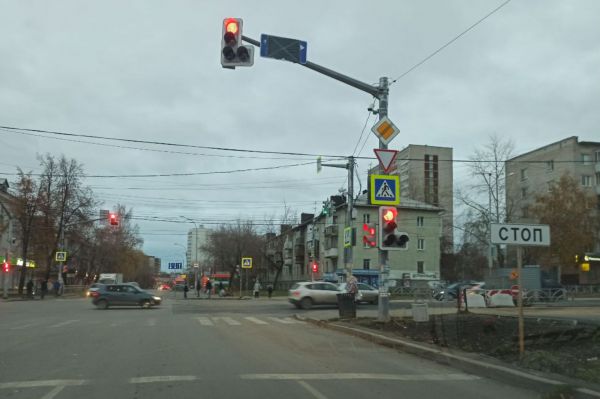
x: 150, y: 70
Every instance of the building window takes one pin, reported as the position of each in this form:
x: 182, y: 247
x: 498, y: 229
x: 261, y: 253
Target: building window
x: 524, y: 174
x: 586, y: 180
x: 597, y: 156
x: 366, y: 264
x: 525, y: 211
x: 431, y: 179
x: 549, y: 166
x: 420, y: 266
x: 524, y: 192
x: 420, y: 221
x: 598, y: 178
x: 421, y: 244
x: 586, y: 159
x: 366, y: 218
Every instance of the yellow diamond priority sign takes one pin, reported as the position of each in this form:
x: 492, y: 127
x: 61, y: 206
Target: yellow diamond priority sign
x: 385, y: 130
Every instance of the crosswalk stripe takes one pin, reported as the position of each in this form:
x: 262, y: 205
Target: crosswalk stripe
x: 228, y: 320
x: 285, y: 320
x: 21, y: 327
x: 205, y: 321
x: 63, y: 323
x: 255, y: 320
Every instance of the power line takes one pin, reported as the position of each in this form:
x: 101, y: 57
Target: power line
x: 362, y: 132
x: 455, y: 38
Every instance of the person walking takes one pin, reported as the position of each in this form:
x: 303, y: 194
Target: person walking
x: 43, y: 288
x: 185, y: 290
x: 256, y: 288
x: 30, y: 289
x: 270, y: 290
x: 56, y: 286
x: 208, y: 288
x: 198, y: 288
x: 352, y: 286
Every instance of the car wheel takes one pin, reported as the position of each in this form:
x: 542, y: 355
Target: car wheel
x: 145, y: 304
x: 306, y: 303
x: 102, y: 304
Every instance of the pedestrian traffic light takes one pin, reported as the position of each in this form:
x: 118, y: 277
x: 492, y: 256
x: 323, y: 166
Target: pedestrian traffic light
x: 233, y: 53
x: 369, y: 235
x: 5, y: 267
x: 114, y: 220
x: 390, y: 238
x: 315, y: 267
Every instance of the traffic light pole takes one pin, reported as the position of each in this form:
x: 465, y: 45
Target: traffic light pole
x: 380, y: 92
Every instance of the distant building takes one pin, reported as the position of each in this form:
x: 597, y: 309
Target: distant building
x: 426, y: 175
x: 196, y: 240
x: 154, y: 265
x: 8, y: 224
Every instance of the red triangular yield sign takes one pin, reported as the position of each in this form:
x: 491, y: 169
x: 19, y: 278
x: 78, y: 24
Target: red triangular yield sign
x: 386, y: 158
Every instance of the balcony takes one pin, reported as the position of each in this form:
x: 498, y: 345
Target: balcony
x: 331, y: 230
x: 299, y: 248
x: 331, y: 253
x: 597, y: 167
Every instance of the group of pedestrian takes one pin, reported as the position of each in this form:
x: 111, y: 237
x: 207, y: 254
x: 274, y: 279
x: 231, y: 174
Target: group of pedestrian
x: 30, y: 288
x: 257, y: 287
x: 207, y: 289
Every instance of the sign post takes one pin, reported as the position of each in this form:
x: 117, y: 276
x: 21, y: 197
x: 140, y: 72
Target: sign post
x: 520, y: 235
x: 246, y: 264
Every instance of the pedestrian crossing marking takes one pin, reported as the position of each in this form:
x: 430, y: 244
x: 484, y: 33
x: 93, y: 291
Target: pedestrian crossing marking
x: 205, y: 321
x: 285, y: 320
x: 64, y: 323
x: 228, y: 320
x: 255, y: 320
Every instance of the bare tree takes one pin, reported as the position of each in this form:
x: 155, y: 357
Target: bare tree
x: 485, y: 197
x: 275, y: 240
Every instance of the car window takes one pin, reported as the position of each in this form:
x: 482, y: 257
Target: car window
x: 363, y: 286
x: 331, y: 287
x: 112, y: 288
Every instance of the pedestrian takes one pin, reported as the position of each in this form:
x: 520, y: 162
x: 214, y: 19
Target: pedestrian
x: 185, y: 290
x: 221, y: 289
x: 208, y: 288
x: 256, y: 288
x: 30, y: 289
x: 43, y: 288
x: 270, y: 290
x: 198, y: 288
x: 56, y: 286
x: 352, y: 286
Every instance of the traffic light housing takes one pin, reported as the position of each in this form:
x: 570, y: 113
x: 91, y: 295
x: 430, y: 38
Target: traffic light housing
x: 369, y: 235
x: 315, y: 267
x: 233, y: 52
x: 113, y: 218
x: 390, y: 239
x: 5, y: 267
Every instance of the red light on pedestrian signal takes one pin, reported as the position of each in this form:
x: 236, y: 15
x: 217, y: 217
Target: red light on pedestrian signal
x: 389, y: 215
x: 315, y: 267
x: 114, y: 221
x: 5, y: 267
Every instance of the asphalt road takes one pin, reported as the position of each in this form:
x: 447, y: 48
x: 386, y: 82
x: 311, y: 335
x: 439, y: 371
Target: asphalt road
x: 66, y: 349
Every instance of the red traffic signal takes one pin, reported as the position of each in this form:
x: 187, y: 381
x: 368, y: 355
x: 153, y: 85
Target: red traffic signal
x: 233, y: 53
x: 315, y: 267
x: 390, y: 237
x: 5, y: 267
x: 114, y: 220
x: 369, y: 235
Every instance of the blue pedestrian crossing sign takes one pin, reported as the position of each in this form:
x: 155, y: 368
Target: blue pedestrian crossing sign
x: 384, y: 189
x: 246, y: 263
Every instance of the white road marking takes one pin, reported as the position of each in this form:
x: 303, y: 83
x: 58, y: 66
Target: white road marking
x: 64, y: 323
x: 285, y: 320
x: 21, y: 327
x: 162, y: 378
x: 362, y: 376
x: 40, y: 383
x: 255, y: 320
x: 151, y: 322
x: 55, y: 391
x: 312, y: 390
x: 228, y: 320
x: 205, y: 321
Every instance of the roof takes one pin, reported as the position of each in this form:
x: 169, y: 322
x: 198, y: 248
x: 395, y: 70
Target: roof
x: 545, y: 146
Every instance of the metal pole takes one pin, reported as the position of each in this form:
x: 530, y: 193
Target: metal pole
x: 241, y: 279
x: 490, y: 261
x: 383, y: 308
x: 5, y: 278
x: 350, y: 203
x: 520, y: 302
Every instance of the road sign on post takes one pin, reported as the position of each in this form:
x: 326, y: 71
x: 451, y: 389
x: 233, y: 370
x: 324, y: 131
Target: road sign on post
x: 386, y: 158
x: 521, y: 234
x: 246, y: 263
x: 283, y: 48
x: 384, y: 189
x: 61, y: 256
x: 385, y: 130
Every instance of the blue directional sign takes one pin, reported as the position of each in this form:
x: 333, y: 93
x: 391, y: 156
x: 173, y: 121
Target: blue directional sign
x: 283, y: 48
x: 175, y: 265
x: 384, y: 189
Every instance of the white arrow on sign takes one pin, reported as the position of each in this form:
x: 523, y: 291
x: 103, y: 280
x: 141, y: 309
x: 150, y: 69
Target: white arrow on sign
x: 386, y: 158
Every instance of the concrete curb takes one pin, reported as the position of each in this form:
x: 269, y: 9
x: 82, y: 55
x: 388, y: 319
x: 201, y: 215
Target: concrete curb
x: 475, y: 364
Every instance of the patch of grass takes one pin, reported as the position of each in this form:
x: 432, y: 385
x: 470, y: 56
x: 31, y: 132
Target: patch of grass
x: 560, y: 392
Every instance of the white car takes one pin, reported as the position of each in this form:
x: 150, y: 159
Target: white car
x: 366, y: 293
x: 308, y: 293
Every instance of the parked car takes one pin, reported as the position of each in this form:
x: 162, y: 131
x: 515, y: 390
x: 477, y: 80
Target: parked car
x: 135, y: 284
x: 164, y: 287
x: 123, y: 295
x: 451, y: 291
x: 366, y: 293
x: 306, y: 294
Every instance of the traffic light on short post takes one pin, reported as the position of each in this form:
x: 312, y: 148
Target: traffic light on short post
x: 5, y: 267
x: 113, y: 218
x: 390, y: 238
x: 369, y: 235
x: 233, y: 53
x: 315, y: 267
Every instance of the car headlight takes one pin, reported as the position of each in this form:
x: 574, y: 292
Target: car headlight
x: 157, y: 298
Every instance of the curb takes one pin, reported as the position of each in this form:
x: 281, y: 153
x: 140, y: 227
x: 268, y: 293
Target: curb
x: 474, y: 364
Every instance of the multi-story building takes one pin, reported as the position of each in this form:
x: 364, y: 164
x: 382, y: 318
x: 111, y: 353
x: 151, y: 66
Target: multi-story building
x: 8, y: 224
x: 154, y: 264
x: 426, y: 176
x: 196, y: 240
x: 532, y: 173
x: 320, y: 239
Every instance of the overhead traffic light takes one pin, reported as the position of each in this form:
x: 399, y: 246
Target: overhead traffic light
x: 113, y: 218
x: 369, y: 235
x: 233, y: 52
x: 390, y: 239
x: 5, y: 267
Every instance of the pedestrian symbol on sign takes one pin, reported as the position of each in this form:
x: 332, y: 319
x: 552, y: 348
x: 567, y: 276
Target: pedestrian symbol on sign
x: 385, y: 191
x: 246, y: 263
